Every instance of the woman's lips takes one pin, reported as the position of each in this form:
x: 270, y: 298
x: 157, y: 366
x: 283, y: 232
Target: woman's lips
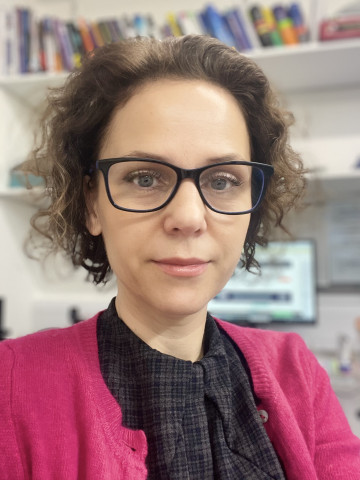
x: 182, y: 267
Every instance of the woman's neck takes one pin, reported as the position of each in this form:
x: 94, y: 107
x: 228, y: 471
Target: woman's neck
x: 177, y: 336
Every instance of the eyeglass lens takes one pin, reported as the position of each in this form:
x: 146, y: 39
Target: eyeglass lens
x: 139, y: 185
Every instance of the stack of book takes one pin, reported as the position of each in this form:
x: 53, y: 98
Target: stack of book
x: 29, y: 44
x: 279, y: 25
x: 257, y: 27
x: 344, y: 25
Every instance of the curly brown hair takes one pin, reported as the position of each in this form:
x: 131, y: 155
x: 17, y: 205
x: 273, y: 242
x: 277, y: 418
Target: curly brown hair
x: 78, y: 115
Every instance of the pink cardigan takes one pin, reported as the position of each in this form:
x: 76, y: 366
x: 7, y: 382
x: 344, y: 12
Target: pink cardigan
x: 59, y: 421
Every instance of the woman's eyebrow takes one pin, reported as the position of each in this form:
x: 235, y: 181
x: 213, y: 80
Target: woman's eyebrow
x: 230, y: 157
x: 143, y: 154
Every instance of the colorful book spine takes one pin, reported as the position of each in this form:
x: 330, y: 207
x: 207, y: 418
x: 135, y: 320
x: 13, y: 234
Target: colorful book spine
x: 243, y: 25
x: 29, y: 44
x: 59, y: 60
x: 104, y: 32
x: 269, y: 18
x: 117, y: 33
x: 65, y: 47
x: 295, y: 14
x: 49, y: 55
x: 340, y: 28
x: 76, y: 43
x: 173, y: 24
x: 34, y: 60
x: 285, y: 26
x: 85, y: 35
x: 96, y: 34
x: 216, y: 25
x: 21, y: 45
x: 262, y: 28
x: 235, y: 29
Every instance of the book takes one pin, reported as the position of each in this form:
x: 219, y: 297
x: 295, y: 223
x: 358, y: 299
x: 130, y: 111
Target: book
x: 6, y: 36
x: 34, y: 59
x: 140, y: 25
x: 189, y: 24
x: 261, y: 27
x: 173, y: 24
x: 104, y: 32
x: 76, y: 43
x: 64, y: 45
x: 86, y: 38
x: 13, y: 44
x: 272, y: 25
x: 21, y: 36
x: 216, y: 25
x: 285, y: 26
x: 153, y: 29
x: 244, y: 27
x: 117, y: 33
x: 25, y: 26
x: 126, y: 26
x: 235, y: 29
x: 59, y: 60
x: 340, y: 27
x: 95, y: 34
x: 48, y: 40
x: 295, y: 14
x: 248, y: 25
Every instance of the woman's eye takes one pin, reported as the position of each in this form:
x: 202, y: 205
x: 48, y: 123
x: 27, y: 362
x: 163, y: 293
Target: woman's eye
x: 143, y: 179
x: 222, y: 181
x: 219, y: 184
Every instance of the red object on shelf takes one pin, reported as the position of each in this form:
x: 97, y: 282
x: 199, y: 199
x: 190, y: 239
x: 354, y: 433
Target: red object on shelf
x: 340, y: 27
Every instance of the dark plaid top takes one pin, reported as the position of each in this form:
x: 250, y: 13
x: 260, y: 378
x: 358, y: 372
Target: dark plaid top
x: 200, y: 419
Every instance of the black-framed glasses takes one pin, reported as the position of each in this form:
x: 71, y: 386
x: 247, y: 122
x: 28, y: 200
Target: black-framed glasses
x: 145, y: 185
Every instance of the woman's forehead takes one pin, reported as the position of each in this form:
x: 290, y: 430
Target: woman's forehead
x: 181, y: 114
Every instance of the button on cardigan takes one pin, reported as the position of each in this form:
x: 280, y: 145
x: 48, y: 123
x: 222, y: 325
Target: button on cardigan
x: 58, y: 419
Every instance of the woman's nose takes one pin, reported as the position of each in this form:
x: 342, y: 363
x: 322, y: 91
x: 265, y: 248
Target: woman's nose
x: 186, y: 213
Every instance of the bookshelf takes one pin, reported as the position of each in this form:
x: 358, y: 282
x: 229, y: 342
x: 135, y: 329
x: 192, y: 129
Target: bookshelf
x: 309, y: 66
x: 293, y: 70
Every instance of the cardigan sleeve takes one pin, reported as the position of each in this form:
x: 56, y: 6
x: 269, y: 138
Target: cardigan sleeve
x: 10, y: 461
x: 337, y: 449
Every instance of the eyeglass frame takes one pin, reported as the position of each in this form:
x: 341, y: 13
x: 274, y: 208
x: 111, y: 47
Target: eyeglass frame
x: 182, y: 173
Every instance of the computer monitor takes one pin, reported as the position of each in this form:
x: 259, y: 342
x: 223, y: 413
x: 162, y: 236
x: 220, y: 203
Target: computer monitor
x: 284, y: 291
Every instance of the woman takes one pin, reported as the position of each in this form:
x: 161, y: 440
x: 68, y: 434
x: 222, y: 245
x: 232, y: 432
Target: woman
x: 166, y: 162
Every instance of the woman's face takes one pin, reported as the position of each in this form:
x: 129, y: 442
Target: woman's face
x: 171, y: 262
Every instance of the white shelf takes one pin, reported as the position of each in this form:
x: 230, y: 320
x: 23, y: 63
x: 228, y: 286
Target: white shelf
x: 311, y: 66
x: 326, y: 186
x: 31, y: 88
x: 33, y: 196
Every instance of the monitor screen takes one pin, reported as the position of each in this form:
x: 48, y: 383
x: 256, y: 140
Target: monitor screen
x: 284, y: 291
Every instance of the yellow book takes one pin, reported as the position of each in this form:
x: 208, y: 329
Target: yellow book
x: 173, y: 24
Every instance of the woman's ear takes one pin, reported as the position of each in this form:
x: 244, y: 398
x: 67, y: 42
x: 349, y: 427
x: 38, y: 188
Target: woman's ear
x: 92, y: 216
